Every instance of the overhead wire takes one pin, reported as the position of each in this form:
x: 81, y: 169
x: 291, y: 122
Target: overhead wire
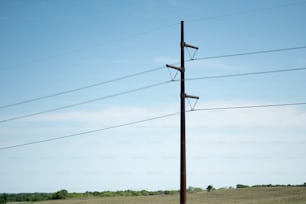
x: 82, y: 88
x: 101, y: 44
x: 151, y: 70
x: 151, y: 119
x: 85, y: 102
x: 249, y: 53
x: 90, y: 131
x: 250, y: 106
x: 154, y: 69
x: 148, y: 87
x: 245, y: 74
x: 164, y: 27
x: 145, y: 72
x: 246, y: 12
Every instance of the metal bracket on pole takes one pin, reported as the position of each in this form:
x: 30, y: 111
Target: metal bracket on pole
x: 191, y: 46
x: 195, y: 103
x: 174, y: 67
x: 190, y: 96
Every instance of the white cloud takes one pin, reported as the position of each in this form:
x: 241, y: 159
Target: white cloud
x: 257, y: 117
x: 107, y: 117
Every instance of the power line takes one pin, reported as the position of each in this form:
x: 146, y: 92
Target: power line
x: 81, y: 88
x: 89, y: 132
x: 245, y: 12
x: 151, y: 86
x: 250, y: 106
x: 246, y: 74
x: 84, y: 102
x: 249, y: 53
x: 101, y: 44
x: 145, y: 72
x: 151, y: 119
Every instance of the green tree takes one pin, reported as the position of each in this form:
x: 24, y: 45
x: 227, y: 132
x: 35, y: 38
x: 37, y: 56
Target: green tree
x: 193, y: 189
x: 62, y: 194
x: 242, y: 186
x: 209, y: 188
x: 3, y: 198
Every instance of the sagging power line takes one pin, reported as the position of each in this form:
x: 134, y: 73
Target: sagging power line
x: 245, y: 74
x: 85, y: 102
x: 250, y: 53
x: 145, y: 72
x: 255, y: 10
x: 83, y: 87
x: 152, y: 119
x: 148, y: 87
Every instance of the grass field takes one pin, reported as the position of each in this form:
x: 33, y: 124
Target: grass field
x: 270, y: 195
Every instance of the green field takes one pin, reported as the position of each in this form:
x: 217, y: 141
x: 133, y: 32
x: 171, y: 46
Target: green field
x: 270, y: 195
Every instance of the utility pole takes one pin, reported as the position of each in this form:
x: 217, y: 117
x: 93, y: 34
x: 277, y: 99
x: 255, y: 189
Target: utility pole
x: 183, y: 96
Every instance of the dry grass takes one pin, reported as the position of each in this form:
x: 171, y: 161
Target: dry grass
x: 275, y: 195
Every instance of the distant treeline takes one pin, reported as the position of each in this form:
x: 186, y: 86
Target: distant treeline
x: 63, y: 194
x: 270, y: 185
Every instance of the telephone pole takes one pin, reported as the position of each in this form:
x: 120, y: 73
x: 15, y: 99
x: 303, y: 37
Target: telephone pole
x: 183, y: 96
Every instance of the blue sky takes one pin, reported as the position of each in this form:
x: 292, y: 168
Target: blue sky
x: 52, y: 46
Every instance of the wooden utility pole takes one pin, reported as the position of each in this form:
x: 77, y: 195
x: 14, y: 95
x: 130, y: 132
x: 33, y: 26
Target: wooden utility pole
x: 183, y: 96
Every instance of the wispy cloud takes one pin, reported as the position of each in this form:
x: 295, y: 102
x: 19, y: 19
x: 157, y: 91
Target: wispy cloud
x: 277, y: 117
x: 104, y: 118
